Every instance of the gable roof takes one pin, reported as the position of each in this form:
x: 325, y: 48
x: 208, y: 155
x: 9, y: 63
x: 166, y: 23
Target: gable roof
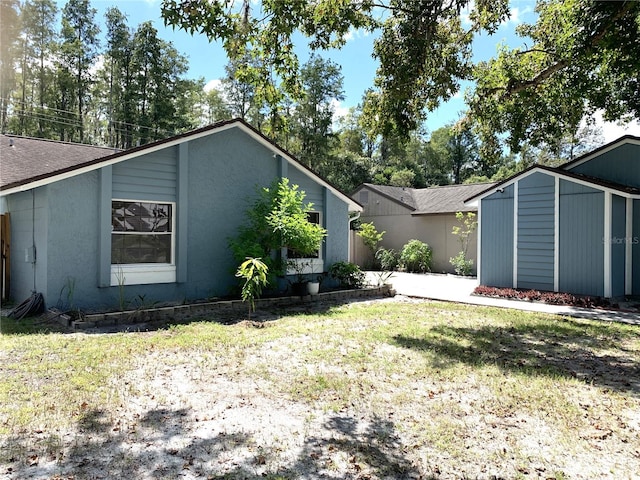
x: 599, y: 151
x: 75, y: 159
x: 589, y: 181
x: 432, y: 200
x: 564, y: 171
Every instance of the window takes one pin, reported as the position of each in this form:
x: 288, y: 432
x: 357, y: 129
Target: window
x: 312, y: 217
x: 142, y: 242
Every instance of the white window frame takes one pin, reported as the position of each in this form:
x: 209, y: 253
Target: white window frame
x: 311, y: 265
x: 146, y: 273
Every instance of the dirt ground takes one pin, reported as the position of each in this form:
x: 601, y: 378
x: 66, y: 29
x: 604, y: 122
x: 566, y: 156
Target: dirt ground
x: 180, y: 419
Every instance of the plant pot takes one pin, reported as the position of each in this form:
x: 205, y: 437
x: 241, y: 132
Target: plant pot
x: 313, y: 288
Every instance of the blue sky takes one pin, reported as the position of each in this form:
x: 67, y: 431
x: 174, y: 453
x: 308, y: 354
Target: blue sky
x: 207, y: 60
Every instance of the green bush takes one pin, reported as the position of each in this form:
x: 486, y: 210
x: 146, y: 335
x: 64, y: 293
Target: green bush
x: 416, y: 256
x: 348, y: 274
x: 461, y: 265
x: 387, y: 258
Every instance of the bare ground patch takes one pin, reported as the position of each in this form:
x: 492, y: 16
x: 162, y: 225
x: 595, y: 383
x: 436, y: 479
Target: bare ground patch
x: 387, y: 389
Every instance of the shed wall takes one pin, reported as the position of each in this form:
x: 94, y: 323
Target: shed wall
x: 536, y: 201
x: 618, y: 245
x: 581, y: 256
x: 635, y: 249
x: 496, y: 216
x: 620, y: 165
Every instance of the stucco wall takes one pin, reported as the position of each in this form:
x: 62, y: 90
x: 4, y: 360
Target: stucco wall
x: 223, y: 173
x: 25, y: 229
x: 435, y: 230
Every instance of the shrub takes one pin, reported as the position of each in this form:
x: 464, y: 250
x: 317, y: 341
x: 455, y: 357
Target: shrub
x: 388, y: 258
x: 461, y: 264
x: 348, y: 274
x: 416, y: 256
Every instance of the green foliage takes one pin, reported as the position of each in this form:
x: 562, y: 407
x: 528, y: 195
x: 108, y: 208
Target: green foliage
x: 416, y: 256
x: 468, y: 225
x: 578, y: 57
x: 370, y: 236
x: 461, y: 265
x: 387, y: 258
x: 254, y: 272
x: 276, y: 220
x: 348, y: 274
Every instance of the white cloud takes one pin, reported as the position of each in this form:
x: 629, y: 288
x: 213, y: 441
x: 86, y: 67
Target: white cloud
x: 339, y: 110
x: 613, y: 130
x: 215, y: 84
x: 354, y: 33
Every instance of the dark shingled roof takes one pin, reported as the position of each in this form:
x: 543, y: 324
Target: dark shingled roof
x: 433, y: 200
x: 23, y: 157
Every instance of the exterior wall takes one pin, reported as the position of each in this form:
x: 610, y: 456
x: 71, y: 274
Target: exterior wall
x: 496, y: 218
x: 620, y: 165
x: 379, y: 205
x: 536, y: 200
x: 436, y: 230
x: 635, y: 249
x: 212, y: 179
x: 400, y: 227
x: 25, y: 228
x: 618, y: 247
x: 337, y: 224
x: 581, y: 255
x: 154, y: 175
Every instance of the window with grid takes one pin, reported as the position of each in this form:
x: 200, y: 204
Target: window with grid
x: 141, y: 232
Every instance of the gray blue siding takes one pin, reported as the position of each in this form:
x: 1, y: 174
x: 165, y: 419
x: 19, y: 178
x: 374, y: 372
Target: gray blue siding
x: 620, y: 165
x: 618, y: 244
x: 496, y: 262
x: 152, y: 176
x: 635, y: 249
x: 581, y: 256
x: 536, y: 200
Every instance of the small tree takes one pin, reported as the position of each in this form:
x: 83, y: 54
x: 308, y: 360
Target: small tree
x: 254, y: 271
x: 370, y: 237
x: 461, y: 264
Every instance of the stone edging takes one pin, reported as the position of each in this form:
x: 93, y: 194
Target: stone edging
x: 181, y: 313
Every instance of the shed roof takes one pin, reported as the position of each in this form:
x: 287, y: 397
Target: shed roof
x: 432, y: 200
x: 598, y: 183
x: 40, y: 162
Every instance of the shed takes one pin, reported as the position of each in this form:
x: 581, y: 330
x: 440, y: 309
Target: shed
x: 575, y: 228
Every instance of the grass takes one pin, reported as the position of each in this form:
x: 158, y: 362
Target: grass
x: 415, y: 388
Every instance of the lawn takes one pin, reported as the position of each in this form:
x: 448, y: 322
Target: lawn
x: 381, y: 389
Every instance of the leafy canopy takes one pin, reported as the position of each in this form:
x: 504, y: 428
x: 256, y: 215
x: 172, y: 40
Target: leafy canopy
x: 582, y: 57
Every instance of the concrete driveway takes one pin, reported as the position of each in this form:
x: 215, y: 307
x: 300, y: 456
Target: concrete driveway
x: 451, y: 288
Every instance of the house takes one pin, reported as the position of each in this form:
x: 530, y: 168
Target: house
x: 152, y: 222
x: 575, y: 228
x: 425, y: 214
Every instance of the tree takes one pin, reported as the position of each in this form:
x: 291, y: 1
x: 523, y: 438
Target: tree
x: 583, y: 57
x: 79, y: 50
x: 313, y: 115
x: 9, y: 28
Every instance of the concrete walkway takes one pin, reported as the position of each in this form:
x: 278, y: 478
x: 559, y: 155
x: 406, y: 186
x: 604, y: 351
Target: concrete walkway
x: 456, y: 289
